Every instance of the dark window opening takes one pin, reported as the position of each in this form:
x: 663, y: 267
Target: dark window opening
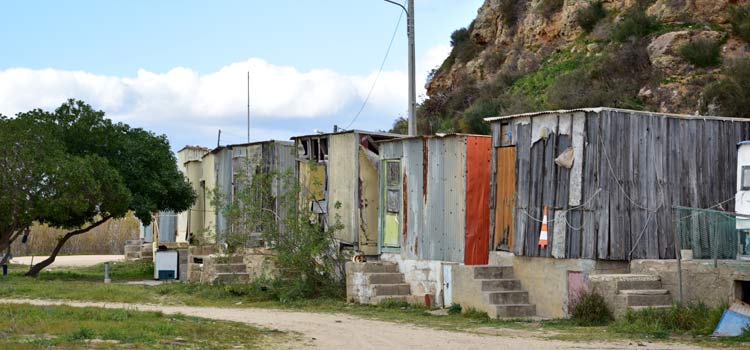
x: 745, y: 178
x: 742, y: 291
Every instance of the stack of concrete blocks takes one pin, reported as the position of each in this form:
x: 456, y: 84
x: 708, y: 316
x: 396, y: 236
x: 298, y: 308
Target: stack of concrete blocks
x: 631, y: 291
x: 136, y: 250
x: 492, y: 289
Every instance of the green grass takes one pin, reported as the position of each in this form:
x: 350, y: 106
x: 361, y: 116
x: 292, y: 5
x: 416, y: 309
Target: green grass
x: 536, y: 84
x: 62, y: 327
x: 649, y: 324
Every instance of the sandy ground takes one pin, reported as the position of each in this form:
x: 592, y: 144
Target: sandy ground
x: 336, y: 331
x: 70, y: 260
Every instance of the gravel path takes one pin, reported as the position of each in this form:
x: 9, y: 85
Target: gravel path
x: 69, y: 260
x: 338, y: 331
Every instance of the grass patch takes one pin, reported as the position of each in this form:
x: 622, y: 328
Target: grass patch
x: 535, y: 84
x: 75, y: 328
x: 702, y: 52
x: 696, y: 319
x: 590, y: 309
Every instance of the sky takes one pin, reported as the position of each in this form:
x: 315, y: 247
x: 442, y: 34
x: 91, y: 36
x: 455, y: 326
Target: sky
x: 180, y: 68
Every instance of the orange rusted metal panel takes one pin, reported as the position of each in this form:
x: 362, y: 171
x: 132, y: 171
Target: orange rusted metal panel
x: 505, y: 194
x: 478, y: 156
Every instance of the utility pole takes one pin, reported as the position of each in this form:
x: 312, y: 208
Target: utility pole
x: 248, y: 106
x: 412, y: 70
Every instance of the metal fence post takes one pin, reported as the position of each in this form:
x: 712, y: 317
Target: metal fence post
x: 106, y: 273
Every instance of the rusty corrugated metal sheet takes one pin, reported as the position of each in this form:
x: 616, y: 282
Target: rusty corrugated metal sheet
x: 413, y: 211
x: 478, y: 153
x: 445, y: 214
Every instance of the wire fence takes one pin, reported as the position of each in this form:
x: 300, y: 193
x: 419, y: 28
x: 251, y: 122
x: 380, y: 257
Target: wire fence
x: 712, y: 234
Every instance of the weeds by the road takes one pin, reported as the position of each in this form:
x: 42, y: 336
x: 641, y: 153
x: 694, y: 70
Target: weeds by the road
x: 62, y: 327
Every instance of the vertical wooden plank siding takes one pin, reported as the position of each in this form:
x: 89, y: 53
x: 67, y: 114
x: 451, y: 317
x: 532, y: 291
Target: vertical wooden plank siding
x: 477, y: 241
x: 505, y: 192
x: 590, y: 186
x: 523, y: 183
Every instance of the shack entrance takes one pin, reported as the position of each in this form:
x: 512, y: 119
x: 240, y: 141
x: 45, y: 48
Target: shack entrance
x: 392, y: 207
x: 505, y: 180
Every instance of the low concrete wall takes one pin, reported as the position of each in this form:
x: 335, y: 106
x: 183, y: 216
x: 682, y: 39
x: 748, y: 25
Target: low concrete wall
x: 701, y: 281
x: 467, y: 291
x: 425, y: 277
x: 546, y: 280
x: 260, y: 262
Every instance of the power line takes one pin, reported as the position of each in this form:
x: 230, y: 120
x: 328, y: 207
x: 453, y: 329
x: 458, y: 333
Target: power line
x: 377, y: 76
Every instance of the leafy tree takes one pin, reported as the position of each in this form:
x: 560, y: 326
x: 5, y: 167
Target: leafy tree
x: 74, y: 169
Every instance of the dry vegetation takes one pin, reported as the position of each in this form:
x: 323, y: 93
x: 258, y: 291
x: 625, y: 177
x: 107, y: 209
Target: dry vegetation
x: 109, y: 238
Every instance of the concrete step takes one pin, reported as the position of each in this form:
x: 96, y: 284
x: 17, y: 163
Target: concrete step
x: 132, y: 249
x: 511, y: 297
x: 379, y: 267
x: 639, y: 308
x: 500, y: 285
x: 390, y: 289
x: 230, y: 268
x: 231, y: 277
x: 493, y: 272
x: 513, y: 311
x: 380, y: 299
x: 624, y: 277
x: 644, y: 291
x: 648, y: 299
x: 203, y: 250
x: 137, y: 242
x: 385, y: 278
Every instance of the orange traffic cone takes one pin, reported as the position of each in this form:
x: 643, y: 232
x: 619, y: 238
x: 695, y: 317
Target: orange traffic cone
x: 543, y: 233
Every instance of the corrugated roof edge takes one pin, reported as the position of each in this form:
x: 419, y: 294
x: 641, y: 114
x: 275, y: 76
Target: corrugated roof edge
x: 194, y: 147
x: 433, y: 136
x: 600, y: 109
x: 217, y: 149
x: 373, y: 133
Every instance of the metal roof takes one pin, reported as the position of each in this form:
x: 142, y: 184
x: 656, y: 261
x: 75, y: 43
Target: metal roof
x: 432, y: 136
x: 600, y: 109
x: 371, y: 133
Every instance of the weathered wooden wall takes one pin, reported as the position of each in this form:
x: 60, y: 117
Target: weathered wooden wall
x: 629, y: 169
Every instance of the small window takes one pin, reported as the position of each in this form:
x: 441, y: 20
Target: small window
x: 745, y: 178
x: 393, y: 201
x: 506, y: 135
x: 393, y: 176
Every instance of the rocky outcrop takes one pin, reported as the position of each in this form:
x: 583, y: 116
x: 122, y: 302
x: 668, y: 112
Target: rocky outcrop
x: 516, y: 37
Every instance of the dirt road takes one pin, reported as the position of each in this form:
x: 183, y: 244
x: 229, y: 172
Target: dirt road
x: 70, y: 260
x: 336, y: 331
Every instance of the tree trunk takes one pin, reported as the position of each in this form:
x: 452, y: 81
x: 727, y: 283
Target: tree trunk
x: 38, y: 267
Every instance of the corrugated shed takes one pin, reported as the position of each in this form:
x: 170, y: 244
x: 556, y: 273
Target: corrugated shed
x: 343, y: 183
x: 478, y: 153
x: 412, y: 170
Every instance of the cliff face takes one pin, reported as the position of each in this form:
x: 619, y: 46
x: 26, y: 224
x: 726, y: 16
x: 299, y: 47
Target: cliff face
x: 518, y: 56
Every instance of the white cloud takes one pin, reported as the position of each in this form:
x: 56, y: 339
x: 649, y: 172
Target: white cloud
x: 181, y: 96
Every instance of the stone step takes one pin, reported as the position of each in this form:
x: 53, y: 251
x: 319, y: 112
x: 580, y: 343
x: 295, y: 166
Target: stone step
x: 623, y: 277
x: 380, y: 299
x: 390, y: 289
x: 512, y: 297
x: 232, y: 259
x: 632, y: 285
x: 230, y: 268
x: 137, y: 242
x: 379, y: 267
x: 500, y: 285
x: 231, y: 277
x: 640, y: 308
x: 648, y: 300
x: 493, y: 272
x: 513, y: 311
x: 132, y: 249
x: 644, y: 291
x: 203, y: 250
x: 385, y: 278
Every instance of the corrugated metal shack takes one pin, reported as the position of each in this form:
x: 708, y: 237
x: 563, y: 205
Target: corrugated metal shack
x: 219, y: 170
x: 437, y: 194
x: 609, y: 178
x: 341, y: 168
x: 185, y: 156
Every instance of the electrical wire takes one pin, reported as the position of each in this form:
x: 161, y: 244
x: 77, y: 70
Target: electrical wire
x: 377, y: 76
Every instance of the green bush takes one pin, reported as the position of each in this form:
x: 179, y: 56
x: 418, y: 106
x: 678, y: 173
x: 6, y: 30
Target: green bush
x: 739, y: 18
x: 702, y: 52
x: 454, y: 309
x: 730, y: 96
x: 587, y: 17
x: 550, y: 7
x: 634, y: 24
x: 612, y: 81
x: 473, y: 118
x: 474, y: 314
x: 590, y: 309
x: 695, y: 319
x: 465, y: 48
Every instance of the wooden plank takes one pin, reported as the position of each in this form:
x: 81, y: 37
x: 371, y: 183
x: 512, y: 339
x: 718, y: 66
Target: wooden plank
x: 575, y: 242
x: 505, y: 194
x: 639, y: 157
x: 523, y: 172
x: 536, y: 192
x: 618, y: 149
x: 663, y: 216
x: 493, y: 192
x: 605, y: 184
x: 561, y: 199
x: 674, y: 182
x: 650, y: 228
x: 549, y: 189
x: 591, y: 168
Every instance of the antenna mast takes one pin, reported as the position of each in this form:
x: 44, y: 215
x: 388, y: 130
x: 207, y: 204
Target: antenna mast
x: 248, y: 106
